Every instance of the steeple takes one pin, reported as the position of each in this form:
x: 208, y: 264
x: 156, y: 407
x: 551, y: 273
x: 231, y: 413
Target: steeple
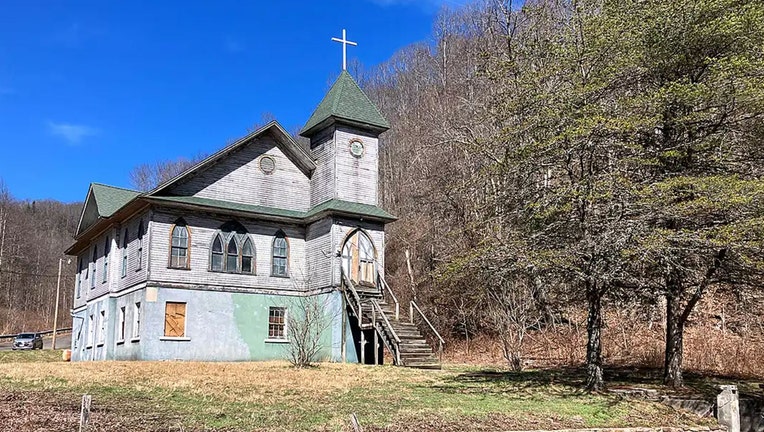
x: 346, y: 103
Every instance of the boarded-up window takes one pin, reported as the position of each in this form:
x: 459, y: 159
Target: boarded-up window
x: 175, y: 319
x: 277, y: 323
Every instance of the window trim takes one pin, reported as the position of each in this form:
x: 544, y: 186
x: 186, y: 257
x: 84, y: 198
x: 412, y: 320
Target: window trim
x: 253, y: 256
x: 280, y: 234
x: 184, y: 336
x: 93, y: 275
x: 121, y: 325
x: 106, y: 251
x: 136, y: 333
x: 140, y: 246
x: 102, y: 328
x: 180, y: 223
x: 125, y: 255
x: 285, y: 338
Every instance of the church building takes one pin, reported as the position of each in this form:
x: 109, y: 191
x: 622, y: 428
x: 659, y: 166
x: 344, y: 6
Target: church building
x: 218, y: 262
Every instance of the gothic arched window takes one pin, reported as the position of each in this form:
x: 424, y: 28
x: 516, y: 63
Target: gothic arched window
x: 179, y: 242
x: 280, y: 256
x: 232, y: 250
x: 125, y: 244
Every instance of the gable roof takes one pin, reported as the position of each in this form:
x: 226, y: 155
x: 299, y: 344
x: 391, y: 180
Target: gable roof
x: 346, y: 102
x: 291, y: 149
x: 102, y: 202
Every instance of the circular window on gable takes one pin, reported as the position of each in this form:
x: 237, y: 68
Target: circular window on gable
x: 267, y: 164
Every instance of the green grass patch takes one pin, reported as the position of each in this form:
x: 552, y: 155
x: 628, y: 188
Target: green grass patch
x: 270, y: 396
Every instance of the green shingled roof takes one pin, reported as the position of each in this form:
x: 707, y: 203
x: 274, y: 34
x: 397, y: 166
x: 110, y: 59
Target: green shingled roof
x: 109, y: 199
x: 331, y: 206
x: 346, y: 101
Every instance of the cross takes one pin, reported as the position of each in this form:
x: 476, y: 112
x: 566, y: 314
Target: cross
x: 345, y: 44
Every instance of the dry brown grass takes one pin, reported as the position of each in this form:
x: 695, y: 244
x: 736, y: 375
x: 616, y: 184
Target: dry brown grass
x: 709, y: 350
x: 230, y: 381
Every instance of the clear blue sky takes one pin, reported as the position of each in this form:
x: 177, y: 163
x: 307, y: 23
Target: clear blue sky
x: 89, y: 90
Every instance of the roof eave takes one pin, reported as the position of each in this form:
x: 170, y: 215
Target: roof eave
x: 332, y: 119
x: 225, y: 211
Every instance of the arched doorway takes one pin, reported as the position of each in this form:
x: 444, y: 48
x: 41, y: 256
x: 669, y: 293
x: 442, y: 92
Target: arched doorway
x: 359, y: 258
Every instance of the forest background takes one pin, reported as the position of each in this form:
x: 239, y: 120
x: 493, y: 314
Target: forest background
x: 579, y: 183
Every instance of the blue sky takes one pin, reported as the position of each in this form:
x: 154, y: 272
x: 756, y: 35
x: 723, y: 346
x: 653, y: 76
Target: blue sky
x: 88, y: 90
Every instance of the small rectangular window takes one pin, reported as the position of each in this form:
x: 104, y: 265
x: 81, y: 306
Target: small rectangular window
x: 121, y: 324
x: 137, y: 320
x: 91, y: 331
x: 175, y: 319
x: 277, y: 323
x: 102, y: 330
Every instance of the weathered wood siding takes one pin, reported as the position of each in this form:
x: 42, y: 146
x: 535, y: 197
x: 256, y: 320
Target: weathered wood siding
x: 135, y: 275
x: 321, y: 255
x: 340, y: 230
x: 202, y: 228
x: 238, y: 178
x: 115, y: 282
x: 356, y: 178
x: 322, y: 182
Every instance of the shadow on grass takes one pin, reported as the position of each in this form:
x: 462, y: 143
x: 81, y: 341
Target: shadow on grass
x: 562, y: 382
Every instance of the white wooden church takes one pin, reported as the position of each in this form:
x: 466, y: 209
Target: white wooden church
x: 216, y: 263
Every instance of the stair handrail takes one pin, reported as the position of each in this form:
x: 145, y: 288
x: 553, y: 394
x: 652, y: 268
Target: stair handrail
x: 379, y: 310
x: 390, y: 291
x: 356, y: 297
x: 413, y: 306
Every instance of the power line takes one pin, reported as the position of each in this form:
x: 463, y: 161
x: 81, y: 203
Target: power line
x: 32, y: 274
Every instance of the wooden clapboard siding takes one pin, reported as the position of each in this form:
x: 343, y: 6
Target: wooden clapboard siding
x: 322, y: 182
x: 134, y: 274
x: 175, y: 319
x: 321, y: 256
x: 238, y: 178
x: 356, y: 178
x: 100, y: 288
x: 203, y: 227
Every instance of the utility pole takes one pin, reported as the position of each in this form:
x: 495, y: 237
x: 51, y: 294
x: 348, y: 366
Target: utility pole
x: 58, y: 295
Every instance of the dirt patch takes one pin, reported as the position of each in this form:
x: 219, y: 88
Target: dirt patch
x: 28, y: 411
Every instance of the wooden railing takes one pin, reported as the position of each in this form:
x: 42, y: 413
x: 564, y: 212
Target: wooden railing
x: 396, y: 347
x: 413, y: 306
x: 352, y: 297
x: 383, y: 283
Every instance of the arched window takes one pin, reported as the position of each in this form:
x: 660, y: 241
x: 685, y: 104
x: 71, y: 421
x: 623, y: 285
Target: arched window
x: 358, y: 256
x: 139, y: 260
x: 179, y: 245
x: 247, y: 257
x: 95, y: 262
x: 125, y: 243
x: 217, y: 254
x: 232, y: 250
x: 280, y: 256
x: 106, y: 250
x: 232, y: 256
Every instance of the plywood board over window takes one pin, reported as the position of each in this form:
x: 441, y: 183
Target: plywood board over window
x: 175, y: 319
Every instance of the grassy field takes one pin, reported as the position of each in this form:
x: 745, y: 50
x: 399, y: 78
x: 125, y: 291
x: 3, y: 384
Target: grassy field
x: 39, y: 392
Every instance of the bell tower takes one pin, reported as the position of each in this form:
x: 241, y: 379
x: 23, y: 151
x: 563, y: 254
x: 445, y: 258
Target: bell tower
x: 343, y: 132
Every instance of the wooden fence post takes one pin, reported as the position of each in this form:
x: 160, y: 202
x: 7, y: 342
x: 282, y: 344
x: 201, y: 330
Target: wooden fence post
x: 355, y: 424
x: 85, y: 411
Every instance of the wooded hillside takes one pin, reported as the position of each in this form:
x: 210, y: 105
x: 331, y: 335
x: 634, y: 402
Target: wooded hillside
x: 561, y: 165
x: 577, y: 182
x: 33, y: 236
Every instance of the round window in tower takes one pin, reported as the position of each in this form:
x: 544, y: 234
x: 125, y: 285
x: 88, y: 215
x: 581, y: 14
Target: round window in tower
x: 267, y: 165
x: 356, y: 147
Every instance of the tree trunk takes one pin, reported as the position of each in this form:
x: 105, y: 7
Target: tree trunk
x: 594, y: 379
x: 672, y: 367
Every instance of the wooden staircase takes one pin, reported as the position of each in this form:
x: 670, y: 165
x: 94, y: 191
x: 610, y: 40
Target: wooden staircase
x: 402, y: 338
